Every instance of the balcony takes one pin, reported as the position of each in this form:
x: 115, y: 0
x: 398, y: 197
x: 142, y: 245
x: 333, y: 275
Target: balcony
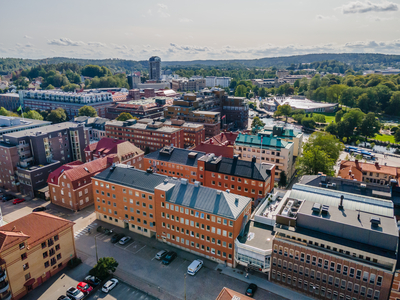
x: 4, y: 286
x: 8, y: 296
x: 3, y: 276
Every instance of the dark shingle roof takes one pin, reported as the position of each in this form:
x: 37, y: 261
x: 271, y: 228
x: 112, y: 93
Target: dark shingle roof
x: 240, y: 168
x: 178, y: 156
x: 204, y: 199
x: 131, y: 177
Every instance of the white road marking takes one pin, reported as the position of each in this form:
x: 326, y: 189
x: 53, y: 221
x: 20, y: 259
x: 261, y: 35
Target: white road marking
x: 140, y: 249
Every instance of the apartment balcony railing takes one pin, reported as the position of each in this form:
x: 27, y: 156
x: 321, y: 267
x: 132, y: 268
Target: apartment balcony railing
x: 3, y: 276
x: 4, y: 286
x: 7, y: 296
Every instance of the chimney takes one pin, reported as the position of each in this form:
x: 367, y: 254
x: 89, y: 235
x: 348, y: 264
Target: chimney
x: 341, y: 202
x: 149, y: 170
x: 236, y: 201
x: 377, y: 165
x: 236, y: 157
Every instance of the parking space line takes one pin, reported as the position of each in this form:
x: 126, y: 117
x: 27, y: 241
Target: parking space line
x: 180, y: 265
x: 139, y: 249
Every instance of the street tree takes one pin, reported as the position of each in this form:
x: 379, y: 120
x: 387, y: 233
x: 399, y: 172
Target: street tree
x: 57, y: 116
x: 124, y: 116
x: 257, y: 122
x: 283, y: 110
x: 338, y: 116
x: 33, y: 114
x: 88, y: 111
x: 104, y: 267
x: 313, y: 161
x: 370, y: 125
x: 328, y: 142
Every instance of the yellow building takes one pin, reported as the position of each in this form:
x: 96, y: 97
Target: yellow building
x: 32, y: 249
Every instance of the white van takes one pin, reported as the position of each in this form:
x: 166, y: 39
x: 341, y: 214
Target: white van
x: 195, y: 266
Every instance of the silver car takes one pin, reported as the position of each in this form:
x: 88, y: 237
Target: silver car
x: 124, y: 240
x: 160, y: 255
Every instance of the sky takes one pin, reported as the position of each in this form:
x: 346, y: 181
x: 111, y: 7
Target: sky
x: 190, y: 30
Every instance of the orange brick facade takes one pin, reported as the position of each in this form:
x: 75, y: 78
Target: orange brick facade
x: 125, y: 207
x: 395, y: 291
x: 207, y: 234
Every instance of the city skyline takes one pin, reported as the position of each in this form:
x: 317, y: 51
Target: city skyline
x: 175, y: 31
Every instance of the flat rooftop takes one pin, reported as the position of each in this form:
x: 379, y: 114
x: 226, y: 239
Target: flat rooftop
x: 258, y: 235
x: 43, y: 129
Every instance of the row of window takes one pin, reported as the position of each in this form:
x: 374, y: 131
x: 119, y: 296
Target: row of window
x: 197, y: 235
x: 198, y: 246
x: 239, y: 188
x: 125, y: 200
x: 196, y: 214
x: 366, y: 277
x: 138, y: 220
x: 327, y: 293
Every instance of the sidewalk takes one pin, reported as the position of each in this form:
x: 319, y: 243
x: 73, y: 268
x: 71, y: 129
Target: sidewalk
x: 262, y: 283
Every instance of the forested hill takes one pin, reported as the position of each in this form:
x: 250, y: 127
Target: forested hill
x: 362, y: 60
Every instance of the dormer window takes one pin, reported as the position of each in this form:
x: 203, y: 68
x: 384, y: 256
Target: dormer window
x: 21, y: 246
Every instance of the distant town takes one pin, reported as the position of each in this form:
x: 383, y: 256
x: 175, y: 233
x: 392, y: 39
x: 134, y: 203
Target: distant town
x: 275, y: 183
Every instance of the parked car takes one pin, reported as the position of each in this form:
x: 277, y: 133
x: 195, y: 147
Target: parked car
x: 194, y: 267
x: 84, y: 287
x: 92, y: 280
x: 40, y: 208
x: 7, y: 197
x: 18, y: 200
x: 109, y: 285
x: 63, y: 297
x: 161, y: 254
x: 116, y: 237
x: 108, y: 231
x: 100, y: 229
x: 75, y: 294
x: 251, y: 289
x: 124, y: 240
x: 169, y: 257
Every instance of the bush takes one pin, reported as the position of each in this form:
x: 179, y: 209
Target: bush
x: 73, y: 262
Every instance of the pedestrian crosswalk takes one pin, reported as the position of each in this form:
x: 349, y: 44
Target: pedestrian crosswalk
x: 85, y: 230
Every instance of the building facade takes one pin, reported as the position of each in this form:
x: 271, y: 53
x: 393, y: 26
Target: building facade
x: 9, y: 101
x: 145, y: 136
x: 154, y: 68
x: 33, y: 249
x: 70, y: 102
x: 13, y: 124
x: 272, y: 150
x: 39, y: 152
x: 235, y: 112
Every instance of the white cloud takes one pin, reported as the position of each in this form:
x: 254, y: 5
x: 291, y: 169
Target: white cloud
x: 163, y: 10
x: 97, y: 44
x: 28, y: 37
x: 358, y: 7
x: 185, y: 20
x: 321, y: 17
x: 65, y: 42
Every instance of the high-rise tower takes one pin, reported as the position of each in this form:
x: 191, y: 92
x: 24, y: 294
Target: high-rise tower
x: 154, y: 68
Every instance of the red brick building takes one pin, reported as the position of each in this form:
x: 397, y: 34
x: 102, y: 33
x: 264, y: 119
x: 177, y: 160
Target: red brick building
x: 189, y: 216
x: 221, y: 144
x: 121, y: 151
x: 70, y: 185
x: 395, y: 290
x: 246, y: 178
x: 153, y: 136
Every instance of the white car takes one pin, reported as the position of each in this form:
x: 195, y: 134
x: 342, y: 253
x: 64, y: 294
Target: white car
x: 124, y: 240
x: 160, y: 254
x: 194, y: 267
x: 109, y: 285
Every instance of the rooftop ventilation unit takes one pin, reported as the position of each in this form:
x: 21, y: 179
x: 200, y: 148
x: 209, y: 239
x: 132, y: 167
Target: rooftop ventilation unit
x: 325, y: 209
x: 197, y: 184
x: 316, y: 208
x: 86, y: 169
x: 228, y: 191
x: 375, y: 221
x: 184, y: 181
x: 363, y: 186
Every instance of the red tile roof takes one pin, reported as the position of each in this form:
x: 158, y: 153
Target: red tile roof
x: 369, y: 167
x: 80, y: 172
x: 34, y: 228
x: 108, y: 146
x: 216, y: 149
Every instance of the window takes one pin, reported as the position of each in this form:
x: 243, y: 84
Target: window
x: 46, y: 264
x: 53, y: 261
x: 21, y: 246
x: 365, y: 276
x: 43, y: 245
x: 23, y: 256
x: 57, y: 247
x: 358, y: 274
x: 379, y: 281
x: 338, y: 268
x: 59, y: 256
x: 25, y: 267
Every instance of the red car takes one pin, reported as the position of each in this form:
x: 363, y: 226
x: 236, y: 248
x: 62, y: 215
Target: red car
x: 17, y: 200
x: 84, y: 287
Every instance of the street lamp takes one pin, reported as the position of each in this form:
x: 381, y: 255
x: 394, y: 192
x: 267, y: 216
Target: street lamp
x: 95, y: 244
x: 184, y: 276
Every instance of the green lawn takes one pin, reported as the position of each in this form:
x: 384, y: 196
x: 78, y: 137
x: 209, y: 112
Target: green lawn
x: 385, y: 138
x: 329, y: 119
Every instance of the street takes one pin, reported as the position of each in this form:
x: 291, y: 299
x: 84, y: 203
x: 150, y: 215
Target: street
x: 139, y: 270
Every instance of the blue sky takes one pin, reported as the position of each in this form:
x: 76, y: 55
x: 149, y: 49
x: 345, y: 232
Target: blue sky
x: 189, y: 30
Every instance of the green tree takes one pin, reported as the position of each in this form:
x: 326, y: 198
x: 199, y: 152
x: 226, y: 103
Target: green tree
x: 262, y: 93
x: 57, y: 116
x: 397, y: 136
x: 313, y: 161
x: 338, y: 116
x: 124, y: 116
x: 308, y: 122
x: 33, y: 114
x: 355, y: 117
x: 332, y: 128
x: 328, y: 142
x: 370, y: 125
x: 257, y: 122
x: 241, y: 91
x: 104, y: 267
x: 3, y: 111
x: 319, y: 118
x: 283, y: 110
x: 88, y: 111
x: 394, y: 104
x: 50, y: 87
x: 70, y: 87
x: 282, y: 179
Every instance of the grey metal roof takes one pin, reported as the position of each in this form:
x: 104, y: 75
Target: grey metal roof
x: 178, y: 156
x: 131, y: 177
x: 351, y: 201
x: 241, y: 168
x: 204, y: 199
